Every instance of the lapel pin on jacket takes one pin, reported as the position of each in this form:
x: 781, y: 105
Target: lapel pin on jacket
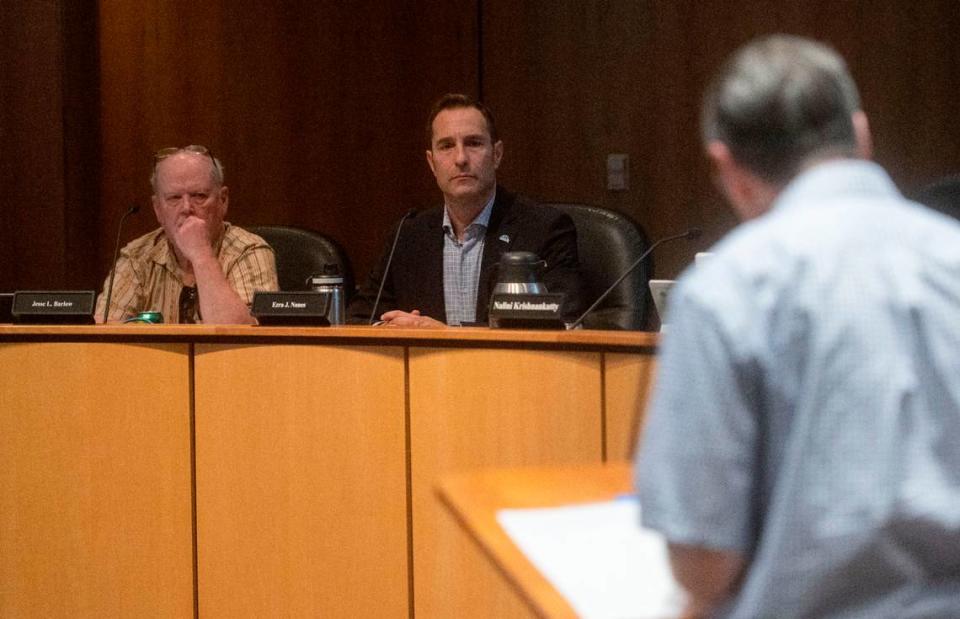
x: 505, y: 238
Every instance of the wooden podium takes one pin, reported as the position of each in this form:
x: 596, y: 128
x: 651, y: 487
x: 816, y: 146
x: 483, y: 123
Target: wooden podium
x: 254, y: 471
x: 475, y: 498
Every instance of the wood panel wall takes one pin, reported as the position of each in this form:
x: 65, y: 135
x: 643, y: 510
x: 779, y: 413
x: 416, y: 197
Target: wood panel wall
x: 574, y: 81
x: 30, y: 139
x: 316, y: 108
x: 48, y: 207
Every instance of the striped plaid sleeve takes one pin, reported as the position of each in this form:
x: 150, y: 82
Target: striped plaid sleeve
x: 127, y: 297
x: 254, y: 269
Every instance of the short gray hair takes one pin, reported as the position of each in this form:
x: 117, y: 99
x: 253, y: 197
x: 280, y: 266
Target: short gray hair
x: 216, y: 168
x: 779, y: 102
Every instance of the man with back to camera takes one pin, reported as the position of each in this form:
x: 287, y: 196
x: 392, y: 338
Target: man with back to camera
x: 801, y: 450
x: 195, y: 267
x: 443, y: 267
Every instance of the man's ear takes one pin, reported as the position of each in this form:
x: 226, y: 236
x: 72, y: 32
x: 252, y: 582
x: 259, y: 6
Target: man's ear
x: 719, y: 155
x: 224, y: 200
x: 861, y: 131
x: 725, y: 170
x: 497, y: 153
x: 156, y: 203
x: 430, y: 162
x: 747, y: 193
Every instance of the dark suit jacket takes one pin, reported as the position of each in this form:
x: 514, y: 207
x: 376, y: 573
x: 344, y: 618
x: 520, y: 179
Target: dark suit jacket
x: 415, y: 280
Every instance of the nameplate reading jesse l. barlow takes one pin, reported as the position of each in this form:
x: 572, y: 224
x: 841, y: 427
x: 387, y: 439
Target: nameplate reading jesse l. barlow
x: 53, y: 306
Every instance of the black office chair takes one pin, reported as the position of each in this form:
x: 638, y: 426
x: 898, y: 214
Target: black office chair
x: 301, y: 253
x: 608, y: 243
x: 942, y: 195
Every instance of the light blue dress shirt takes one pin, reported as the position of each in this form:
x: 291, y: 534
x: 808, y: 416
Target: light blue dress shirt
x: 461, y: 266
x: 807, y: 408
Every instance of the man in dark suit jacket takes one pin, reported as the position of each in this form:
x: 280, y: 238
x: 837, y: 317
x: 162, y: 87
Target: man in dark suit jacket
x: 444, y: 266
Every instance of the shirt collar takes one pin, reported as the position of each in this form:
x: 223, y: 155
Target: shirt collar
x: 828, y: 179
x: 483, y: 219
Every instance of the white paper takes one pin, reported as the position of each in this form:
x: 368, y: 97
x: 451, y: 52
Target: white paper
x: 599, y: 558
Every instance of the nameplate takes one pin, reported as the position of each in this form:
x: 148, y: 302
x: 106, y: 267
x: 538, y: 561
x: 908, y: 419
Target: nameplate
x: 526, y: 311
x: 74, y: 307
x: 291, y: 308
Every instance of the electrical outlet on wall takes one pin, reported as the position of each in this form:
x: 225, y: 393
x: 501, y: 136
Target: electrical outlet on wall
x: 618, y: 172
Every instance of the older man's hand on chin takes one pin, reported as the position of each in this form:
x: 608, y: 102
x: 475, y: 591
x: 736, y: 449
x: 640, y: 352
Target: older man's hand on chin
x: 397, y: 318
x: 193, y: 240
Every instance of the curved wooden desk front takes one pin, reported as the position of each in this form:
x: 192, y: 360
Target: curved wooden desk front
x: 254, y: 471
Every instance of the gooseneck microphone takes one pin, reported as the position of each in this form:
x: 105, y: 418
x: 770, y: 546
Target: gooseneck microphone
x: 386, y: 270
x: 116, y: 254
x: 691, y: 234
